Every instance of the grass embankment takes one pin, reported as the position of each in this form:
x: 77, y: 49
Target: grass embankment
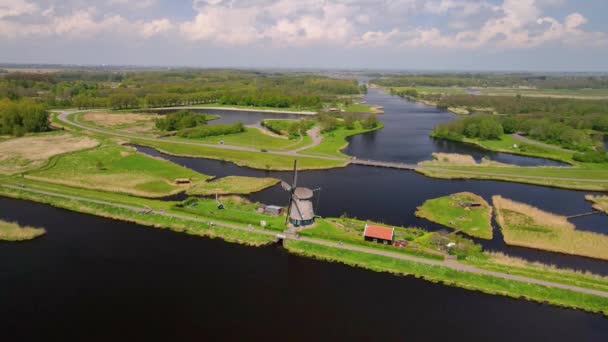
x: 118, y: 169
x: 236, y: 210
x: 256, y: 160
x: 31, y: 152
x: 499, y: 262
x: 351, y: 231
x: 456, y: 211
x: 195, y: 226
x: 508, y: 144
x: 335, y: 141
x: 253, y: 137
x: 232, y: 185
x: 582, y: 177
x: 484, y: 283
x: 14, y: 232
x: 524, y: 225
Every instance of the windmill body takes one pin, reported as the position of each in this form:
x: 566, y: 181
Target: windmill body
x: 300, y: 211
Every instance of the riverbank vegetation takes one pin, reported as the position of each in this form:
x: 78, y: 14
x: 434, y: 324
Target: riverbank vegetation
x: 232, y: 185
x: 31, y: 152
x: 524, y: 225
x: 435, y: 273
x: 14, y: 232
x: 599, y: 202
x: 118, y: 169
x: 465, y: 212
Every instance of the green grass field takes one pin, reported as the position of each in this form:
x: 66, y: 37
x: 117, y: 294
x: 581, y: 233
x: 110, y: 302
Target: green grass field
x: 256, y: 160
x: 351, y: 232
x: 13, y: 232
x: 119, y: 169
x: 507, y: 142
x: 483, y: 283
x: 232, y: 185
x: 334, y: 141
x: 451, y: 211
x: 253, y: 137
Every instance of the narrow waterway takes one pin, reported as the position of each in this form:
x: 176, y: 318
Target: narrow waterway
x: 94, y: 279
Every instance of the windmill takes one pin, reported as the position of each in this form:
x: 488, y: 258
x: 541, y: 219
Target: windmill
x: 300, y: 210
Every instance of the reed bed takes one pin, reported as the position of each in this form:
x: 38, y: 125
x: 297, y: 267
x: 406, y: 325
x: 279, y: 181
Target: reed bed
x: 527, y: 226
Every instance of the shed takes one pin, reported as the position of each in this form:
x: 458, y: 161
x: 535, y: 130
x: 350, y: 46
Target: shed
x: 374, y: 233
x: 273, y: 210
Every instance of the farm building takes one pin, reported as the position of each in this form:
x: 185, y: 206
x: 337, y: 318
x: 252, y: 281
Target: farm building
x: 380, y: 234
x: 271, y: 210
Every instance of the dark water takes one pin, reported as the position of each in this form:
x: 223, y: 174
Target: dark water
x: 93, y: 279
x: 405, y: 136
x: 391, y: 196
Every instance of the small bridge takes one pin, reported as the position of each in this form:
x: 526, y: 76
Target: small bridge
x: 586, y: 214
x: 378, y: 163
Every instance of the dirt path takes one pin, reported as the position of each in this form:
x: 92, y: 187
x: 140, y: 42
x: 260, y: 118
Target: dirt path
x: 538, y: 143
x: 314, y: 134
x: 452, y: 264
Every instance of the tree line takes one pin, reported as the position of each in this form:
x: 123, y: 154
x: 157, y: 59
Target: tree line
x: 20, y: 117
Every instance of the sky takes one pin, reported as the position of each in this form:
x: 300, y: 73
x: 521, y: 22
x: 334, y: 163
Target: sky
x: 509, y: 35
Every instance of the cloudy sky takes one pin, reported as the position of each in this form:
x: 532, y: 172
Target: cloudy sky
x: 381, y: 34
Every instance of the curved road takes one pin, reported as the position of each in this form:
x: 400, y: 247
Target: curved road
x: 452, y: 264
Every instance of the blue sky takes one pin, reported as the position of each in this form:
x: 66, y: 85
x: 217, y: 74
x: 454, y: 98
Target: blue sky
x: 543, y: 35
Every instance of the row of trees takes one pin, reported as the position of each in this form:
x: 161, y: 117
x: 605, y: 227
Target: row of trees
x: 495, y: 80
x: 484, y: 127
x: 21, y: 117
x: 180, y: 120
x: 200, y: 132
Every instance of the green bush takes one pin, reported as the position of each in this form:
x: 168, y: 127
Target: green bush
x: 211, y: 130
x: 181, y: 120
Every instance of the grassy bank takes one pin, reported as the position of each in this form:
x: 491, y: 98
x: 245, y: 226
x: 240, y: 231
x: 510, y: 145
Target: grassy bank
x: 456, y: 211
x: 232, y: 185
x: 14, y: 232
x: 118, y: 169
x: 351, y: 231
x: 524, y: 225
x: 335, y: 141
x: 256, y: 160
x: 181, y: 225
x: 484, y: 283
x: 579, y: 177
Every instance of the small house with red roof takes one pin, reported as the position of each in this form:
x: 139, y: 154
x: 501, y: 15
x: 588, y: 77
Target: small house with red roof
x: 379, y: 234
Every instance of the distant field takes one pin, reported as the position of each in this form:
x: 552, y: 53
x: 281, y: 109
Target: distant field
x: 558, y: 93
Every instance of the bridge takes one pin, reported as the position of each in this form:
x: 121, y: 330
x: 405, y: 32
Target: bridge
x: 378, y: 163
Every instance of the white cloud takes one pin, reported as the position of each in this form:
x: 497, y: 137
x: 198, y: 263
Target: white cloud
x: 14, y: 8
x: 155, y: 27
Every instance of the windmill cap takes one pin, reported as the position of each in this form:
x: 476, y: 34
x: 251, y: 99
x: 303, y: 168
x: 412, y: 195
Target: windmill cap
x: 303, y: 193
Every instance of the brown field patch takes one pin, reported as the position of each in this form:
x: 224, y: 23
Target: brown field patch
x: 21, y: 154
x: 527, y: 226
x: 117, y: 120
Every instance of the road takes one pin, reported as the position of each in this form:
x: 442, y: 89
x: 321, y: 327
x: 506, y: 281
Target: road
x: 538, y: 143
x: 63, y: 116
x: 452, y: 264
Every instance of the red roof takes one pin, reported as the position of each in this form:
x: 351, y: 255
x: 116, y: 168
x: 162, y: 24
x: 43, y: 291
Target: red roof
x: 378, y: 232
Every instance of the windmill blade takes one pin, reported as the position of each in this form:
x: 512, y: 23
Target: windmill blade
x: 288, y: 210
x: 286, y: 186
x: 295, y: 174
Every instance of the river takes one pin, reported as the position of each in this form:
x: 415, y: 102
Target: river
x: 94, y: 279
x: 391, y: 196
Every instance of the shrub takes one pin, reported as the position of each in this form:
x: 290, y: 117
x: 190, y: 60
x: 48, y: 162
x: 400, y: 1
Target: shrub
x: 211, y: 130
